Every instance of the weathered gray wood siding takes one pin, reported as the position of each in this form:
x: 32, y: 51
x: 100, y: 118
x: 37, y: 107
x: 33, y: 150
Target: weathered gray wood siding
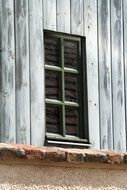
x: 36, y: 73
x: 22, y: 72
x: 105, y: 86
x: 90, y: 31
x: 7, y: 72
x: 22, y: 108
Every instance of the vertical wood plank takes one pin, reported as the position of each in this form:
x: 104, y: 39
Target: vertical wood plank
x: 22, y: 72
x: 125, y: 55
x: 7, y: 72
x: 90, y: 25
x: 63, y: 16
x: 118, y: 75
x: 49, y: 14
x: 77, y: 17
x: 105, y: 74
x: 37, y: 73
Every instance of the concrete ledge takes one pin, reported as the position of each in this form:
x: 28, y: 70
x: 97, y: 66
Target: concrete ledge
x: 53, y: 156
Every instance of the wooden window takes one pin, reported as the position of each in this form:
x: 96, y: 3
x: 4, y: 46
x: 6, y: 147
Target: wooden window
x: 65, y: 89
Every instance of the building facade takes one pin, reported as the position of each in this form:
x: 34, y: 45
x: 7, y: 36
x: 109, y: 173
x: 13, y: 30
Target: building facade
x: 22, y: 90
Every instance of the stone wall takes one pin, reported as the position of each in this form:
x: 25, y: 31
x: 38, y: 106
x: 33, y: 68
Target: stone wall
x: 26, y: 167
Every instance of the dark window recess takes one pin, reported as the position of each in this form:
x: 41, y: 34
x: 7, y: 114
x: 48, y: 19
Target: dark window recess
x: 70, y: 54
x: 65, y: 89
x: 53, y: 119
x: 71, y: 87
x: 52, y: 53
x: 72, y: 121
x: 52, y: 80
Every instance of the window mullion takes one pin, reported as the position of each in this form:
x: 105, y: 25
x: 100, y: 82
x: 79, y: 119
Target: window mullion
x: 63, y: 88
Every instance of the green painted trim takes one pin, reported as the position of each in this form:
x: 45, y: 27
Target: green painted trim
x: 54, y: 102
x: 52, y: 68
x: 71, y: 104
x: 57, y: 102
x: 60, y: 35
x: 82, y: 85
x: 69, y: 70
x: 85, y: 94
x: 67, y: 137
x: 63, y: 88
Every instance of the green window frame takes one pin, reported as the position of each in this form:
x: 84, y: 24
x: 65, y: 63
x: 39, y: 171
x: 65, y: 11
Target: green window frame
x: 81, y: 103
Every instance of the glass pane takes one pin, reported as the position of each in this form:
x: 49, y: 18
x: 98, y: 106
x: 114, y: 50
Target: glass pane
x: 70, y: 54
x: 52, y: 82
x: 51, y: 52
x: 52, y: 119
x: 71, y: 121
x: 71, y: 87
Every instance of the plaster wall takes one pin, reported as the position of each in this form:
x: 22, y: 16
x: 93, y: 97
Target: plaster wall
x: 22, y: 177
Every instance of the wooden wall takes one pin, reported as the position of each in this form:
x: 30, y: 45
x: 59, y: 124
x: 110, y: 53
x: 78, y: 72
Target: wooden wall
x: 104, y: 23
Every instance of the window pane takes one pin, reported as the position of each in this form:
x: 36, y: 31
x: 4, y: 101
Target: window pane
x: 52, y: 85
x: 70, y: 54
x: 51, y: 52
x: 71, y: 121
x: 71, y: 87
x: 52, y: 119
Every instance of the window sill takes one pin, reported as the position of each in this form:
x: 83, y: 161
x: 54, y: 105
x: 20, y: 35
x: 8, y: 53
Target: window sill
x: 62, y: 157
x: 67, y: 140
